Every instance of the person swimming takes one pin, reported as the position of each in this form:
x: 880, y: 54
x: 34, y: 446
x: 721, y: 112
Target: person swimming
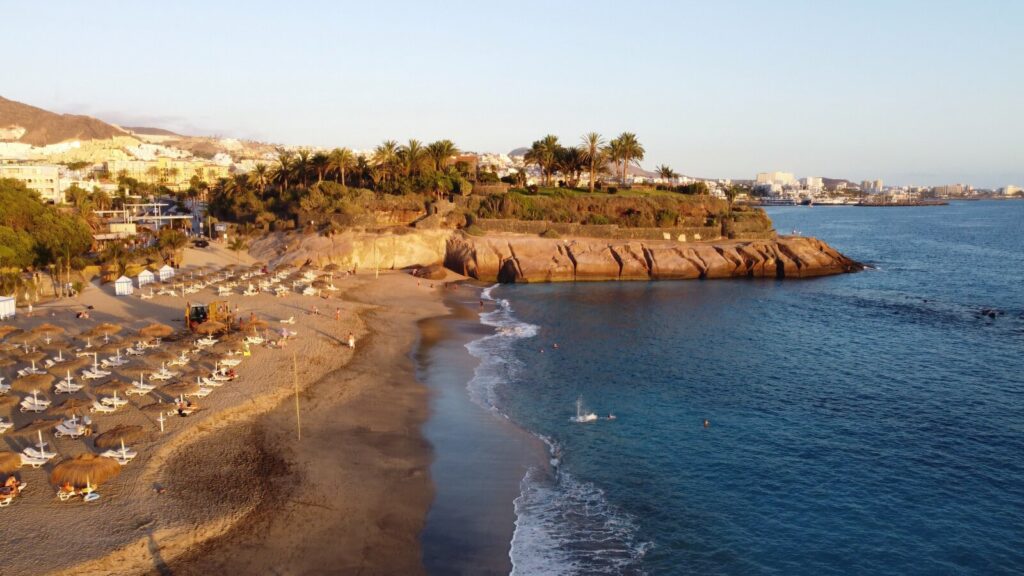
x: 707, y: 423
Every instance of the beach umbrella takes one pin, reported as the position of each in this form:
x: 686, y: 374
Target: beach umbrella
x: 8, y: 400
x: 48, y: 329
x: 6, y: 361
x: 37, y: 426
x: 156, y: 407
x: 34, y: 356
x: 7, y: 329
x: 156, y: 330
x: 32, y: 382
x: 111, y: 387
x: 113, y: 346
x: 126, y: 433
x: 70, y: 407
x: 23, y: 338
x: 160, y: 356
x: 180, y: 388
x: 332, y: 267
x: 104, y: 329
x: 71, y: 364
x: 84, y: 470
x: 9, y: 462
x: 211, y: 327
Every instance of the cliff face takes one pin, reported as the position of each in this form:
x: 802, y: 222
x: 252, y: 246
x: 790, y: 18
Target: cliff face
x: 525, y: 259
x: 362, y: 250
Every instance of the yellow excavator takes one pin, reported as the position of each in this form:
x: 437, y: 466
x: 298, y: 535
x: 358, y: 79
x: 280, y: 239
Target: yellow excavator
x: 220, y: 311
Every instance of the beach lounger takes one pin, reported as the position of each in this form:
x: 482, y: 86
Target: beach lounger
x: 114, y: 401
x: 253, y: 340
x: 31, y: 404
x: 37, y: 453
x: 67, y: 387
x: 230, y: 362
x: 134, y: 352
x: 6, y: 499
x: 4, y: 388
x: 140, y: 388
x: 290, y: 320
x: 33, y: 461
x: 103, y: 408
x: 5, y: 426
x: 73, y: 431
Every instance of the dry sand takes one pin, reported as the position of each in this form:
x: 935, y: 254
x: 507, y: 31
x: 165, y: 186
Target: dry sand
x: 231, y: 489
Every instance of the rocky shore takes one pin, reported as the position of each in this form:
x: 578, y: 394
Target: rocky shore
x: 525, y: 259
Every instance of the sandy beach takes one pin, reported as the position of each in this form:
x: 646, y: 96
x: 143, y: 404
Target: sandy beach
x: 231, y: 488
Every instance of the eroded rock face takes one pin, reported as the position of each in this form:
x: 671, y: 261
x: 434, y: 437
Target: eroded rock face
x: 526, y: 259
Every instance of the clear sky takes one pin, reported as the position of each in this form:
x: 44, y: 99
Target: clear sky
x: 914, y: 92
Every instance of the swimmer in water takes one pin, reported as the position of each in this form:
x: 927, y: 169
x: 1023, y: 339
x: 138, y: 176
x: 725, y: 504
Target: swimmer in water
x: 555, y: 346
x: 707, y: 423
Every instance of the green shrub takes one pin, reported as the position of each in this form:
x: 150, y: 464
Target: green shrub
x: 550, y: 233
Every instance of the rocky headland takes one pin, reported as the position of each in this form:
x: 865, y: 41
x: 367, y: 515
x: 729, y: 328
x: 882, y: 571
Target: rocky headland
x: 525, y: 258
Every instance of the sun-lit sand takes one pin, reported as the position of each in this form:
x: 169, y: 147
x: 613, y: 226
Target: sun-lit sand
x: 344, y: 495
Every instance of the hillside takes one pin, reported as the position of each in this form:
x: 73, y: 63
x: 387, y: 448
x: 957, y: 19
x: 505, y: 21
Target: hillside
x: 30, y: 125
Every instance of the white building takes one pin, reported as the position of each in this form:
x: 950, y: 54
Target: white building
x: 145, y: 277
x: 812, y: 183
x: 43, y: 178
x: 123, y: 286
x: 7, y: 307
x: 780, y: 178
x: 1010, y: 190
x: 166, y: 273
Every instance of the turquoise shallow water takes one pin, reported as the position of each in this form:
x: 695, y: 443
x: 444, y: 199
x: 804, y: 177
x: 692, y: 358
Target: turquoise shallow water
x: 859, y: 424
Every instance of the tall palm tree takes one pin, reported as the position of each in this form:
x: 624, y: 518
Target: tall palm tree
x: 593, y: 153
x: 319, y: 163
x: 302, y: 166
x: 340, y: 160
x: 441, y: 152
x: 627, y: 150
x: 666, y: 172
x: 259, y: 176
x: 570, y: 162
x: 282, y: 172
x: 411, y: 156
x: 385, y: 158
x: 544, y: 153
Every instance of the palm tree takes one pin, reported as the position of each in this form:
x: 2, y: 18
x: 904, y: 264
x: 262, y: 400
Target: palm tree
x: 543, y: 153
x: 283, y: 171
x: 385, y: 158
x: 302, y: 165
x: 319, y: 163
x: 570, y: 162
x: 627, y: 150
x: 441, y: 152
x: 259, y: 176
x: 666, y: 173
x: 340, y: 160
x: 593, y: 152
x: 411, y: 156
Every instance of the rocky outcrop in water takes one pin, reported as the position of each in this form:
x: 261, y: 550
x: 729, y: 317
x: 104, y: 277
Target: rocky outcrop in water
x: 525, y: 259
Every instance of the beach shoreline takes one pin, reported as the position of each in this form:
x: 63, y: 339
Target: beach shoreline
x: 191, y: 499
x: 480, y: 457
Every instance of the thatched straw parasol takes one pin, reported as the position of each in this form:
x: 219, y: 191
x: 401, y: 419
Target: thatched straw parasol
x: 7, y: 329
x: 83, y: 470
x: 159, y: 356
x: 23, y: 338
x: 70, y: 407
x: 35, y: 426
x: 211, y: 327
x: 112, y: 386
x: 104, y: 329
x: 178, y: 388
x: 8, y: 400
x: 9, y: 462
x: 122, y: 432
x: 32, y: 382
x: 34, y: 356
x: 156, y: 330
x: 6, y: 361
x: 332, y: 267
x: 114, y: 345
x: 48, y: 329
x: 72, y: 365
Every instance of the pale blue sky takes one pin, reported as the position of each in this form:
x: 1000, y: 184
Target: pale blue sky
x: 913, y: 92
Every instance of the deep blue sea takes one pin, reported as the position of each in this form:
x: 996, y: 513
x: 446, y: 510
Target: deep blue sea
x: 868, y: 423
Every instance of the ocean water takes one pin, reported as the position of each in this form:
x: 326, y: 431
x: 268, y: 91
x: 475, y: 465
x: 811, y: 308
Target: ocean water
x: 860, y: 424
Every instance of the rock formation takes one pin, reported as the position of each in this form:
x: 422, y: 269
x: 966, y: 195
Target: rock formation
x: 527, y: 259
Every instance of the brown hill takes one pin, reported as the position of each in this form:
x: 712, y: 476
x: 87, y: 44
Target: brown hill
x: 30, y: 125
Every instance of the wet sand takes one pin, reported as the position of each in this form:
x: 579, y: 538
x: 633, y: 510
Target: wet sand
x: 479, y: 457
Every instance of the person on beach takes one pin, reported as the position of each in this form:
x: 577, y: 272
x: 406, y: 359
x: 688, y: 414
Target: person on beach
x: 316, y: 311
x: 337, y: 314
x: 351, y: 340
x: 10, y: 486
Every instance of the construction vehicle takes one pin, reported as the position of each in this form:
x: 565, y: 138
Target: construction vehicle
x: 220, y: 311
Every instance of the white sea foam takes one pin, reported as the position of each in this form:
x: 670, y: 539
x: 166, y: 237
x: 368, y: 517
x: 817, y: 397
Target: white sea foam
x: 563, y: 526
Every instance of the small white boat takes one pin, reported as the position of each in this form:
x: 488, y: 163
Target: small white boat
x: 582, y: 416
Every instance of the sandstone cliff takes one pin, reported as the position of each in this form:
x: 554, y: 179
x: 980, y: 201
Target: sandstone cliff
x: 521, y: 258
x: 526, y: 259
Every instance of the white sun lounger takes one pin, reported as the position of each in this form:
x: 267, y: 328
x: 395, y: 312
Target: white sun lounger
x: 5, y: 426
x: 34, y: 404
x: 67, y: 387
x: 38, y: 454
x: 102, y: 408
x: 140, y: 388
x: 70, y: 430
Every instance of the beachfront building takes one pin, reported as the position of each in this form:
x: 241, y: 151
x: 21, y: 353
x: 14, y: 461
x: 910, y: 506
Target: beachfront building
x: 43, y: 178
x: 7, y: 307
x: 782, y: 179
x: 1010, y: 190
x: 145, y: 277
x: 812, y: 184
x: 166, y: 273
x: 123, y: 286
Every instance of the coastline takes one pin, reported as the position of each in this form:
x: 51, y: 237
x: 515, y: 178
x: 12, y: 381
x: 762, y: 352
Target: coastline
x: 480, y: 458
x: 220, y: 482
